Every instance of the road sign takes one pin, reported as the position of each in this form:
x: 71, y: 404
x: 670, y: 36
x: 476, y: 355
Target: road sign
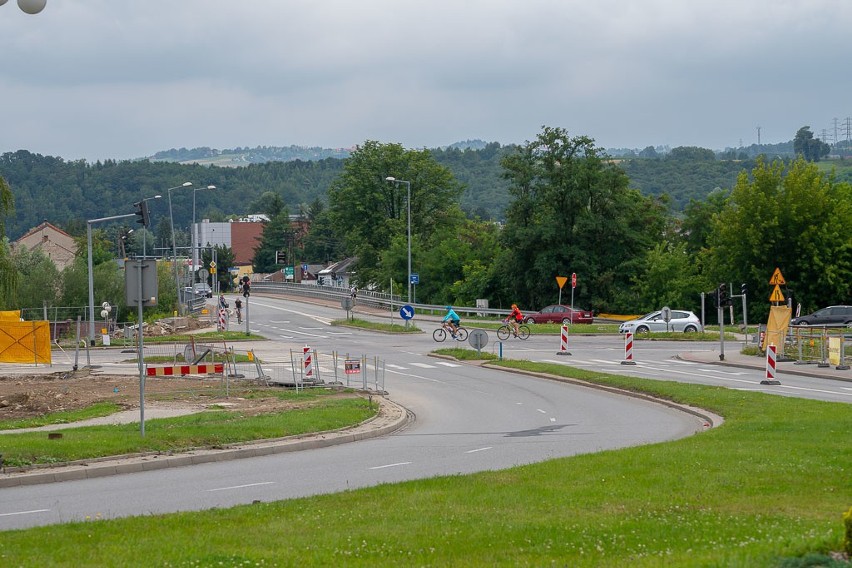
x: 776, y: 296
x: 667, y: 314
x: 352, y: 366
x: 573, y: 279
x: 415, y: 278
x: 478, y: 339
x: 406, y: 312
x: 777, y: 279
x: 212, y: 264
x: 346, y: 303
x: 561, y: 280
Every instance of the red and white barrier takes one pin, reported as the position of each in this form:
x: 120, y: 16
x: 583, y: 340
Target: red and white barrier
x: 220, y: 325
x: 309, y: 362
x: 628, y: 349
x: 178, y: 370
x: 771, y: 361
x: 563, y: 344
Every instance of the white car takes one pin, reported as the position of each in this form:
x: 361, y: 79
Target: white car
x: 686, y: 322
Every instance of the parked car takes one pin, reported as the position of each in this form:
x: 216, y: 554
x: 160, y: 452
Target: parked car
x: 832, y: 316
x: 559, y: 313
x: 680, y: 320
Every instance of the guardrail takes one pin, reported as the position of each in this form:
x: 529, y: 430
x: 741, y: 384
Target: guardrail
x: 823, y: 345
x: 368, y: 298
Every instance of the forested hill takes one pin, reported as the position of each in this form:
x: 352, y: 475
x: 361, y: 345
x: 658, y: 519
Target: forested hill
x: 67, y: 193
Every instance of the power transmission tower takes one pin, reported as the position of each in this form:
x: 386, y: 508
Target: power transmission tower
x: 758, y: 135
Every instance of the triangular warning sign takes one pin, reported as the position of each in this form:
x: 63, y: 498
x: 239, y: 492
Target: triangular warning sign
x: 776, y: 296
x: 777, y: 279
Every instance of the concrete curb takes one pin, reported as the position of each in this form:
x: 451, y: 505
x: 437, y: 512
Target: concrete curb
x: 391, y: 417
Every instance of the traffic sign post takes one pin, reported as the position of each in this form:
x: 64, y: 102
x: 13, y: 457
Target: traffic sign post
x: 573, y: 285
x: 406, y: 312
x: 560, y: 281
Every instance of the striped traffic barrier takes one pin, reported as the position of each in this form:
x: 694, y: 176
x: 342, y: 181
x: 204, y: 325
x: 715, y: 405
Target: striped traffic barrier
x: 771, y: 361
x: 177, y: 370
x: 309, y: 363
x: 563, y: 344
x: 628, y: 349
x: 221, y: 323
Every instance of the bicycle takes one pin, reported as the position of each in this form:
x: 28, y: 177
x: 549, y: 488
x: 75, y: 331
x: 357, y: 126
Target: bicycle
x: 441, y: 334
x: 506, y: 330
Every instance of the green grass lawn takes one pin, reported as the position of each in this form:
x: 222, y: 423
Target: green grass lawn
x: 319, y: 411
x: 772, y: 482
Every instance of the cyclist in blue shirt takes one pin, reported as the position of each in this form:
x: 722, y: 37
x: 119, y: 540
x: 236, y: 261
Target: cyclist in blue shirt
x: 452, y: 318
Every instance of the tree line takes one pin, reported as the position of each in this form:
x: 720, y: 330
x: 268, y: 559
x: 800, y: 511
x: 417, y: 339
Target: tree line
x: 569, y: 207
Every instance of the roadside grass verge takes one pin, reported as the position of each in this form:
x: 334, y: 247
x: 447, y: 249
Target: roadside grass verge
x: 377, y: 326
x: 466, y: 354
x: 208, y: 429
x: 772, y: 482
x: 64, y: 417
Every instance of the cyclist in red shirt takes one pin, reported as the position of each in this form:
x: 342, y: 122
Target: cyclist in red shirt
x: 515, y: 317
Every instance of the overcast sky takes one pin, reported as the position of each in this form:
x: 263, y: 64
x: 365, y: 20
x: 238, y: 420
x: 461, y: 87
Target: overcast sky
x: 122, y: 79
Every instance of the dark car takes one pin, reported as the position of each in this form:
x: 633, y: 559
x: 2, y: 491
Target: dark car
x: 558, y: 313
x: 832, y: 315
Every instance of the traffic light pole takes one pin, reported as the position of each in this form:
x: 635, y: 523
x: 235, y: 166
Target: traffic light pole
x: 89, y: 224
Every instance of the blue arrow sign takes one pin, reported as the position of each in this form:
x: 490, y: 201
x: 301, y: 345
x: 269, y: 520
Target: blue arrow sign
x: 406, y: 312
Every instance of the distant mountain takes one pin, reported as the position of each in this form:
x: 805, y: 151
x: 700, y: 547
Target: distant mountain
x: 244, y: 156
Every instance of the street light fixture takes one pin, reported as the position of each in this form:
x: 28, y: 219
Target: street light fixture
x: 145, y: 230
x: 194, y: 230
x: 396, y: 182
x: 174, y: 244
x: 29, y: 6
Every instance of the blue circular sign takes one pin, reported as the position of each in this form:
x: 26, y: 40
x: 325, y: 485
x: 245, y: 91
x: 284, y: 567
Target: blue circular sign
x: 406, y: 312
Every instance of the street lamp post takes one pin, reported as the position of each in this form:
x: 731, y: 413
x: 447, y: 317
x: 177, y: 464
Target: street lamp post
x: 194, y: 243
x: 396, y: 182
x: 174, y: 244
x: 145, y: 230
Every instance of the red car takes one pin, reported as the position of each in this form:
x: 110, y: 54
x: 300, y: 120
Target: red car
x: 559, y: 314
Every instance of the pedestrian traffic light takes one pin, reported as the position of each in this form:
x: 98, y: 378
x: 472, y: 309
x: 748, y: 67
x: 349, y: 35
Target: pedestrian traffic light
x: 724, y: 299
x: 743, y: 288
x: 280, y: 257
x: 142, y: 213
x: 246, y: 288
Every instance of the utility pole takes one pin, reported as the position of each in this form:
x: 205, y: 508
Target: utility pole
x: 758, y: 135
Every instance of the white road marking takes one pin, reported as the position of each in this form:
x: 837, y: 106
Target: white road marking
x: 392, y: 366
x: 444, y: 363
x: 542, y: 411
x: 389, y: 465
x: 24, y: 512
x: 478, y: 450
x: 242, y: 486
x: 423, y: 365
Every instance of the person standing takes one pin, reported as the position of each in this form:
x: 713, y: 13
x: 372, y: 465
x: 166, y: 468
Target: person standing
x: 238, y: 304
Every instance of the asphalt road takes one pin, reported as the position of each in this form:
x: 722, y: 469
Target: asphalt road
x: 468, y: 419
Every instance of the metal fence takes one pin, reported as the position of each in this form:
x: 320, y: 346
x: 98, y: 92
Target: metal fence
x: 821, y: 345
x: 369, y: 298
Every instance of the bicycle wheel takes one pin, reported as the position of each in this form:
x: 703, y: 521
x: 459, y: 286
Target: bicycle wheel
x: 439, y: 334
x: 523, y: 332
x: 461, y: 334
x: 503, y: 332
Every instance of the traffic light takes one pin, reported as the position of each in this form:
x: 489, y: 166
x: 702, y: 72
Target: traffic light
x: 743, y: 288
x: 280, y: 257
x: 246, y: 288
x: 724, y: 298
x: 142, y: 213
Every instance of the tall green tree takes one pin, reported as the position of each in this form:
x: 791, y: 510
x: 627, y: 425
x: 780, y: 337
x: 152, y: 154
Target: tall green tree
x: 810, y: 148
x: 573, y: 212
x: 369, y: 212
x: 39, y: 281
x: 224, y: 262
x: 277, y: 236
x: 8, y: 275
x: 796, y: 219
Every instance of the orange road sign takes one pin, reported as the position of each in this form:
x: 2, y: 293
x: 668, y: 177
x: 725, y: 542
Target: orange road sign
x: 777, y: 279
x: 561, y: 280
x: 776, y: 296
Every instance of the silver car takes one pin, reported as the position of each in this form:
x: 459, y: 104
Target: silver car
x: 686, y: 322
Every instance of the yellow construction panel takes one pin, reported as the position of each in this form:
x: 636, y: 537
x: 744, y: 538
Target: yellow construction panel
x: 776, y: 327
x: 25, y: 342
x: 12, y: 315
